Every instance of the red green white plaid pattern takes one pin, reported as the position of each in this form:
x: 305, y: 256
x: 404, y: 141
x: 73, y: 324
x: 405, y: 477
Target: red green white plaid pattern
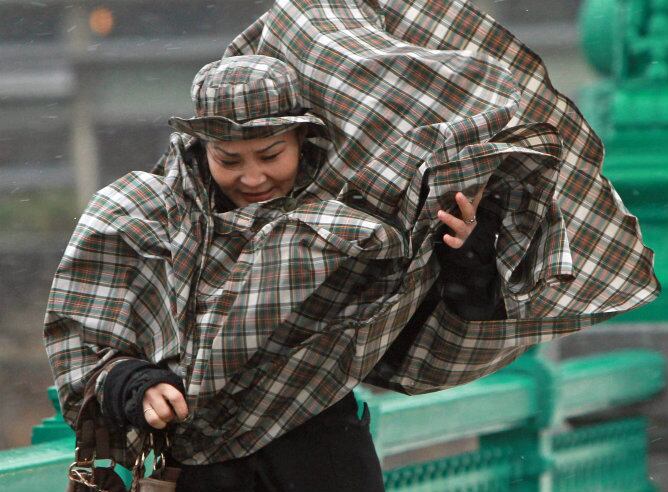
x: 245, y: 97
x: 245, y: 88
x: 273, y: 312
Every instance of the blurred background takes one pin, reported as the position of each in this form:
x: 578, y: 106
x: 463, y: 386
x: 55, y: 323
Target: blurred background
x: 86, y: 89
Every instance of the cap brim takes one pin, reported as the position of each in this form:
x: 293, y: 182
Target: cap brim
x: 221, y: 128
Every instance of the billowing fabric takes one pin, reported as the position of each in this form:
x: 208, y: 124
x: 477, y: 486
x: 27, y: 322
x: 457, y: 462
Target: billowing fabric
x: 274, y: 311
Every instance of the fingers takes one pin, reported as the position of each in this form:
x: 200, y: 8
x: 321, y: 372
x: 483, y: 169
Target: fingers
x: 457, y: 225
x: 152, y: 418
x: 157, y: 412
x: 162, y: 404
x: 467, y: 209
x: 453, y: 242
x: 461, y: 229
x: 177, y: 402
x: 477, y: 199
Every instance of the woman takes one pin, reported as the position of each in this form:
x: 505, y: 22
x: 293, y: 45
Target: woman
x: 271, y: 311
x: 248, y: 150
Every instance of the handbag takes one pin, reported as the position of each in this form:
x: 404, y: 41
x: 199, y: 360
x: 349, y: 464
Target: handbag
x: 93, y: 443
x: 163, y: 478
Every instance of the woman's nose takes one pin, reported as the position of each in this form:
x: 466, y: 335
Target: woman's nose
x: 253, y: 177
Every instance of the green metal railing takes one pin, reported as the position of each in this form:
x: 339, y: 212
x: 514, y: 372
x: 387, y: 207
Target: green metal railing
x: 519, y: 416
x: 627, y: 42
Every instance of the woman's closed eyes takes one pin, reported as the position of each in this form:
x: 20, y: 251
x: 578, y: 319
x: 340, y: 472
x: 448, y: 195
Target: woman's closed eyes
x: 253, y: 170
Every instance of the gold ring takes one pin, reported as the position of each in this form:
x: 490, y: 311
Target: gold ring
x: 472, y: 220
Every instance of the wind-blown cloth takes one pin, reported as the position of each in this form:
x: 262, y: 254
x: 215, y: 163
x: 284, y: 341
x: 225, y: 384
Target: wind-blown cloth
x: 274, y: 311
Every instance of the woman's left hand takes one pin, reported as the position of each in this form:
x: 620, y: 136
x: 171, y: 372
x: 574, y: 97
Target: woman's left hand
x: 463, y: 227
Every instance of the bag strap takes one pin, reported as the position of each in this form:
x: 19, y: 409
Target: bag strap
x: 157, y: 442
x: 92, y: 434
x: 93, y: 441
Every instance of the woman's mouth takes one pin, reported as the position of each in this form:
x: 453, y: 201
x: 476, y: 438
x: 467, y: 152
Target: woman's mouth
x: 258, y: 197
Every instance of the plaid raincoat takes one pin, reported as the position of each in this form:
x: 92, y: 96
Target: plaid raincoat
x: 274, y: 311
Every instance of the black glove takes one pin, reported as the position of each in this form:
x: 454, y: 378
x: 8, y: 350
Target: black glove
x: 469, y: 281
x: 124, y: 390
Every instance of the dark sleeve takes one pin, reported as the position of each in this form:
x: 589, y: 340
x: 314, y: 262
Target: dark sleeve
x: 469, y: 284
x: 124, y: 390
x: 469, y: 281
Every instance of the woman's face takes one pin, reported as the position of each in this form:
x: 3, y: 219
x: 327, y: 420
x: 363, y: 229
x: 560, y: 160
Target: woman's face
x: 256, y: 170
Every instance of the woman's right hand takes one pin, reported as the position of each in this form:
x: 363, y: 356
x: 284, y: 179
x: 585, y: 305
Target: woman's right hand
x: 162, y: 404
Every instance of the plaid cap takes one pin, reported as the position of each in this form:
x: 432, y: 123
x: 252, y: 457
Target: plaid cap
x: 244, y: 97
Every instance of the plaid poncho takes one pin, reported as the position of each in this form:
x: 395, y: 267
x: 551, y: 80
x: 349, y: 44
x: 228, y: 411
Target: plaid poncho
x: 274, y: 311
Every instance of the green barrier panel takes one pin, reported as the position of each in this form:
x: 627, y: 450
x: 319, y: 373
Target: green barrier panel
x: 483, y: 471
x: 627, y: 40
x: 595, y: 383
x: 39, y: 467
x: 529, y: 389
x: 610, y: 457
x: 607, y: 457
x: 401, y: 423
x: 518, y: 408
x: 52, y: 428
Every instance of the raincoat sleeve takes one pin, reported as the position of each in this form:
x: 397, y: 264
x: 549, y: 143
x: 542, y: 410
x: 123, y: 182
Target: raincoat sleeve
x: 106, y: 299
